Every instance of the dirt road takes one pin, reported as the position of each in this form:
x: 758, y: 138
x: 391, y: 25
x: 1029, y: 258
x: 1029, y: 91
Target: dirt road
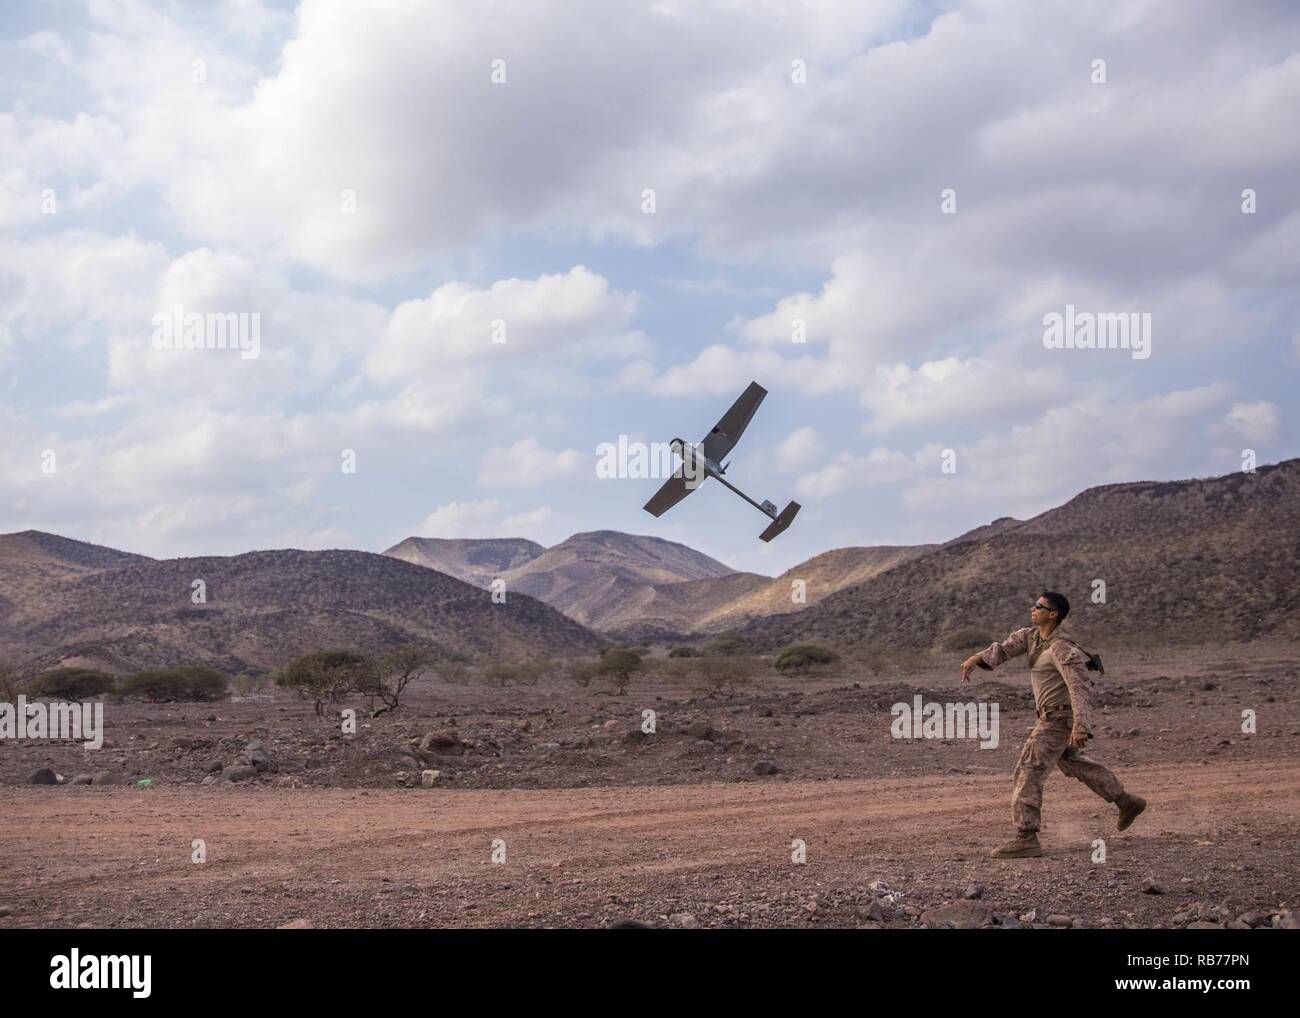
x: 1218, y: 840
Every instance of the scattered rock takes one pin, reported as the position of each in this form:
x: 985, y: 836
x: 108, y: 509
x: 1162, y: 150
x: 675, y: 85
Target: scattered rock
x: 684, y: 921
x: 429, y: 778
x: 699, y: 730
x: 44, y: 776
x: 1149, y: 886
x: 104, y: 778
x: 764, y: 767
x: 239, y: 772
x: 81, y: 779
x: 443, y: 742
x: 958, y: 915
x: 1060, y: 921
x: 875, y: 912
x: 254, y: 755
x: 974, y: 892
x: 297, y: 924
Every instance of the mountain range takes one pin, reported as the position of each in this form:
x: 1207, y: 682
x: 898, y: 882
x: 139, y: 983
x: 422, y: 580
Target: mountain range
x: 68, y: 602
x: 1172, y: 562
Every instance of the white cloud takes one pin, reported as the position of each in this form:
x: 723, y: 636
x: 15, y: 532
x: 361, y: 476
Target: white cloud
x: 936, y: 391
x: 573, y: 314
x: 526, y: 464
x: 486, y: 518
x: 848, y: 472
x: 66, y: 287
x: 1255, y: 422
x: 1093, y: 440
x: 801, y: 448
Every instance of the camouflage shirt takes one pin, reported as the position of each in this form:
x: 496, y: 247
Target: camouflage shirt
x: 1058, y: 671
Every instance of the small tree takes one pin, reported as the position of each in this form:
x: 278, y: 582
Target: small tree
x: 583, y: 672
x: 391, y: 675
x: 499, y: 674
x: 73, y: 684
x: 619, y: 664
x: 683, y: 652
x: 715, y: 675
x: 800, y: 657
x: 327, y: 676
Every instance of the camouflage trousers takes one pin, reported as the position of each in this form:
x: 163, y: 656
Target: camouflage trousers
x: 1048, y: 746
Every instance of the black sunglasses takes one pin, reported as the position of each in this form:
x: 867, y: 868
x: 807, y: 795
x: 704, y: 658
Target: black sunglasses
x: 1043, y: 608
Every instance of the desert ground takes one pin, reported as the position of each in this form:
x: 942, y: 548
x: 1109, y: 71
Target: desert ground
x: 552, y: 807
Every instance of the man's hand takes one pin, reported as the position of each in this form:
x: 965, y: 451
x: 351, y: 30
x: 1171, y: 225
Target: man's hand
x: 969, y: 666
x: 1077, y: 739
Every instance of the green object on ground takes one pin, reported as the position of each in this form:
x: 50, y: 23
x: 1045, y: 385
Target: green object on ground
x: 144, y: 782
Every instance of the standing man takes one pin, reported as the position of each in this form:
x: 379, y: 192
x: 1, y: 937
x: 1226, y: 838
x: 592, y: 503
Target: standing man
x: 1063, y: 696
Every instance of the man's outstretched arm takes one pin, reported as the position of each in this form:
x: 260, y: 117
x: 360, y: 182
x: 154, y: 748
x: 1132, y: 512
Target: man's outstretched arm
x: 995, y: 653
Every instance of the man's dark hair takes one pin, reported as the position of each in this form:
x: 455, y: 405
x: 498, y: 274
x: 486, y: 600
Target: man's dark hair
x: 1059, y: 602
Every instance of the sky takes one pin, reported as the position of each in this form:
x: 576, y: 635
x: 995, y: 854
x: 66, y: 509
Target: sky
x: 481, y: 240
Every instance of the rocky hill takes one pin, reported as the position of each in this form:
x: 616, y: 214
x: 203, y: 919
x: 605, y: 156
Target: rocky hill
x: 261, y: 610
x: 1182, y: 562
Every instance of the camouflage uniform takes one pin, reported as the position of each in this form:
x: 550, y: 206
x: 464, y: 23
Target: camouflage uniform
x: 1063, y: 696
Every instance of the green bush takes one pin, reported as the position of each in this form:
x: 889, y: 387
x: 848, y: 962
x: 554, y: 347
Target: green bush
x: 250, y: 682
x: 194, y: 684
x: 683, y: 652
x: 73, y: 684
x: 726, y: 645
x: 799, y: 657
x: 969, y: 638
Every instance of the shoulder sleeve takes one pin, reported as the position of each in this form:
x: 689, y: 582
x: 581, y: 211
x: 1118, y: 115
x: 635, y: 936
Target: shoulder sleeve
x: 1013, y: 646
x: 1073, y: 665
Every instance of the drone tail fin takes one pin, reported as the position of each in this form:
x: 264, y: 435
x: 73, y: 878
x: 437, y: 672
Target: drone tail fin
x: 781, y: 522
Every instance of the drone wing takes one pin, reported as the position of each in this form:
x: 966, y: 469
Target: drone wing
x: 726, y: 433
x: 673, y: 491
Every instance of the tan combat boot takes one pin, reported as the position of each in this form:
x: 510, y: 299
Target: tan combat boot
x: 1024, y: 847
x: 1129, y: 808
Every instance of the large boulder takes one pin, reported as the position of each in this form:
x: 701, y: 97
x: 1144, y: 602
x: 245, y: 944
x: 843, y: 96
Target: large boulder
x: 44, y: 776
x: 239, y: 772
x: 958, y: 915
x: 443, y: 742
